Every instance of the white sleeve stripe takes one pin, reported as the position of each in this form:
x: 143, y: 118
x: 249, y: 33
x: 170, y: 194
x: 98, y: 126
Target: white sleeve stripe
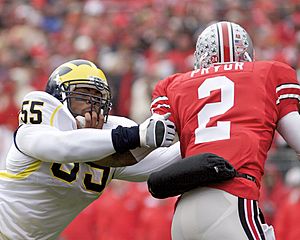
x: 285, y: 96
x: 162, y: 98
x: 161, y: 106
x: 291, y: 85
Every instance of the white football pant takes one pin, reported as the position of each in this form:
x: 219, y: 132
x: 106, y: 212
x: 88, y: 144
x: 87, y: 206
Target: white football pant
x: 212, y: 214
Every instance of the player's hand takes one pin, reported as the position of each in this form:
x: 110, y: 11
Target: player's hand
x: 157, y: 131
x: 90, y: 120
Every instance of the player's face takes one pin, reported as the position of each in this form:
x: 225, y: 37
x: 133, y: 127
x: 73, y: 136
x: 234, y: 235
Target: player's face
x: 86, y: 100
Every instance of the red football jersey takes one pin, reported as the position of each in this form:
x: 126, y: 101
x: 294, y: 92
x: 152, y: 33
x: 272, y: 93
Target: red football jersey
x: 231, y: 110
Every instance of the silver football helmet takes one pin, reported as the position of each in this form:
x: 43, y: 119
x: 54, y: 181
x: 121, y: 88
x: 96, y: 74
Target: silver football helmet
x: 223, y: 42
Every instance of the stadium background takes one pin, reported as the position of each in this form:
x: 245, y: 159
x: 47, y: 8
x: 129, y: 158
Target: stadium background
x: 137, y: 43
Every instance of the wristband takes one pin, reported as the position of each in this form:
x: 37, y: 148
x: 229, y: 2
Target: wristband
x: 125, y: 138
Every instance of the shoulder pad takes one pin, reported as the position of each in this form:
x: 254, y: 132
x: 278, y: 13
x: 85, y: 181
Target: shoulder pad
x: 42, y: 108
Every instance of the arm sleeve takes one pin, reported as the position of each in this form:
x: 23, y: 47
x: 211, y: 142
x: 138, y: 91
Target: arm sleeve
x: 156, y: 160
x: 287, y: 88
x: 288, y: 127
x: 48, y: 144
x: 160, y: 100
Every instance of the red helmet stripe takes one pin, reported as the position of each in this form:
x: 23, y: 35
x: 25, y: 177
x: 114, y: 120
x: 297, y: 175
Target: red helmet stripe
x: 226, y: 45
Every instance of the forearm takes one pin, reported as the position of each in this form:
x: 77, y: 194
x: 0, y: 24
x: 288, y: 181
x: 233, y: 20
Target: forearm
x: 50, y: 145
x: 124, y: 159
x: 154, y: 161
x: 288, y: 128
x: 86, y: 145
x: 117, y: 160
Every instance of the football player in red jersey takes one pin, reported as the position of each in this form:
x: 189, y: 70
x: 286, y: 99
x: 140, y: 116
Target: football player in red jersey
x: 230, y: 105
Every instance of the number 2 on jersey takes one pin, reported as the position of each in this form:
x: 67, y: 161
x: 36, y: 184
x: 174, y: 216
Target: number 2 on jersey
x: 222, y: 129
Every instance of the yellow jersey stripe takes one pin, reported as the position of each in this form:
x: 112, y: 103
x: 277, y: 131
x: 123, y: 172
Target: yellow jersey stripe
x: 32, y: 167
x: 21, y: 175
x: 53, y: 114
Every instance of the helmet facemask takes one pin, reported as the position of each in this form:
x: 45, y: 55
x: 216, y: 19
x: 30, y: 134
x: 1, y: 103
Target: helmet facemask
x: 100, y: 102
x: 223, y: 42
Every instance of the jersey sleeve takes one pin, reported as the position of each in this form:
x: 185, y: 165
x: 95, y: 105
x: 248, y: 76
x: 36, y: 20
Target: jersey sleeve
x: 55, y: 142
x: 42, y: 108
x: 156, y: 160
x: 48, y: 144
x: 46, y: 133
x: 287, y: 88
x: 160, y: 101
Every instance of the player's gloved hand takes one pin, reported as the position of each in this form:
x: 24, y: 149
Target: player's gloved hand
x: 192, y: 172
x: 157, y: 131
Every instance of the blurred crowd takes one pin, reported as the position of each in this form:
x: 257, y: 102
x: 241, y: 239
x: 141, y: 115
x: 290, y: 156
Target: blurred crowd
x: 137, y: 43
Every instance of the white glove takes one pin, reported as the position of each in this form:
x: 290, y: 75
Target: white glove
x: 157, y: 131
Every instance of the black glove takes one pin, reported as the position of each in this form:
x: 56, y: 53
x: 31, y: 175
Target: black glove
x: 189, y: 173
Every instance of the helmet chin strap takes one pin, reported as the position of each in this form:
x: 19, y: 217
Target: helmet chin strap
x: 65, y: 102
